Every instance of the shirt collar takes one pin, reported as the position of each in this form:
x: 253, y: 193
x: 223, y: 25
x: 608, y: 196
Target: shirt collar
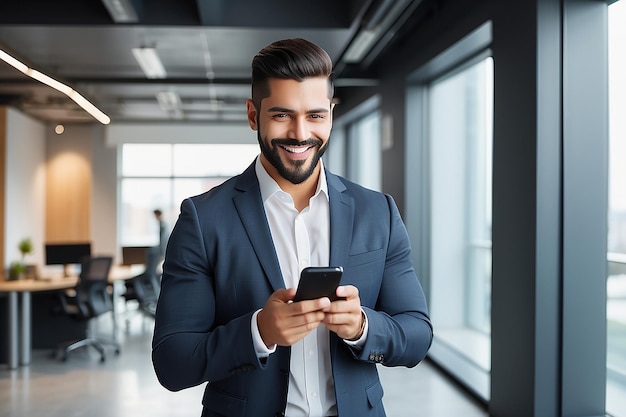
x: 269, y: 187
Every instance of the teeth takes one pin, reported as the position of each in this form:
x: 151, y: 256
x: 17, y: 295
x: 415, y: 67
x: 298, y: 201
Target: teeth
x: 300, y: 149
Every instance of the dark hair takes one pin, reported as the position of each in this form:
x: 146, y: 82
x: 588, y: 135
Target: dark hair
x: 289, y: 59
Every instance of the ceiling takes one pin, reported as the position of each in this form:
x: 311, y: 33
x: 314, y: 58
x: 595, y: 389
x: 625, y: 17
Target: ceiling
x: 206, y: 47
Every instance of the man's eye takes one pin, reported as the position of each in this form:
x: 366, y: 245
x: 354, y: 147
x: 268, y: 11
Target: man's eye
x: 317, y: 116
x: 280, y: 116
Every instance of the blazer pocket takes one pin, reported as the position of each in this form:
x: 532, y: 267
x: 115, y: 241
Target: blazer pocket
x: 224, y: 403
x: 365, y: 258
x: 374, y: 394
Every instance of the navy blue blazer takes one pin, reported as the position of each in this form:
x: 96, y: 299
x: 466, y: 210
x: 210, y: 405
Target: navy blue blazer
x: 220, y: 266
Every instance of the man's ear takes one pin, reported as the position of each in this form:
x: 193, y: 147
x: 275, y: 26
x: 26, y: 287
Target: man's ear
x: 252, y: 114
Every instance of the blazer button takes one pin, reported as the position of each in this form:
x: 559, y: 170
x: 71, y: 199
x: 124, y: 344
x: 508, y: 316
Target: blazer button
x: 279, y: 414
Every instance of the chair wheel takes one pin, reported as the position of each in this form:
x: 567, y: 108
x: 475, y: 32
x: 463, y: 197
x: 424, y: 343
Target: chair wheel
x: 117, y: 351
x: 103, y: 359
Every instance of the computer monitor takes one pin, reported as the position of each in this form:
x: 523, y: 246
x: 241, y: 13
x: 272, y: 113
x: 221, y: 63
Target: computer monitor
x: 134, y: 255
x: 66, y: 254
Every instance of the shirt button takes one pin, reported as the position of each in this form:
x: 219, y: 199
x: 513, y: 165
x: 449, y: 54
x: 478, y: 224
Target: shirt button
x: 313, y: 394
x: 304, y: 263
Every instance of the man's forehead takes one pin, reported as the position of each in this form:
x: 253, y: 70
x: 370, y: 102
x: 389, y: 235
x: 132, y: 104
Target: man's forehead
x: 313, y: 90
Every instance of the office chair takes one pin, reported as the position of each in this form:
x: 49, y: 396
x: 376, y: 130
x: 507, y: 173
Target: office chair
x: 144, y: 288
x: 89, y: 300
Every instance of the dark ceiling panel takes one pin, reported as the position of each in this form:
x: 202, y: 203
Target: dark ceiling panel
x: 61, y: 12
x: 206, y: 47
x: 280, y: 14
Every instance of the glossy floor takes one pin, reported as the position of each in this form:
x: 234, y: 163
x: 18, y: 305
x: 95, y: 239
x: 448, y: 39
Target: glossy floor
x: 126, y: 386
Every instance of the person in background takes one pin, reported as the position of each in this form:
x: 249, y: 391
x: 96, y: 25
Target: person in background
x: 158, y: 215
x: 226, y: 315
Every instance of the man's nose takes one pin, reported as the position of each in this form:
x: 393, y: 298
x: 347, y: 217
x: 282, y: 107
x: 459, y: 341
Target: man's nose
x: 299, y: 129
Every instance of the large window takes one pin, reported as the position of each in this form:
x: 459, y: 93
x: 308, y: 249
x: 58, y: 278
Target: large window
x: 364, y: 151
x: 355, y: 146
x: 616, y: 282
x: 449, y: 163
x: 460, y: 141
x: 160, y: 176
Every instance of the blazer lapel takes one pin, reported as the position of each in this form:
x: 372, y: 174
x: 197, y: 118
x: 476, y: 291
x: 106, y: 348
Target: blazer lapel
x: 341, y: 225
x: 250, y: 208
x: 341, y: 220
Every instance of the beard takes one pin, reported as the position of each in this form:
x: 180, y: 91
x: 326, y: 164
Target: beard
x: 295, y: 171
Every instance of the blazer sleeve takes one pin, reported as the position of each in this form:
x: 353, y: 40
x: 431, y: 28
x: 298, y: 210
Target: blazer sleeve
x: 190, y: 344
x: 400, y: 331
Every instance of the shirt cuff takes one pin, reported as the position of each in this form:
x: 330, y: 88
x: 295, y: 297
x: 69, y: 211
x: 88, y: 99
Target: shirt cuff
x: 261, y: 350
x: 358, y: 343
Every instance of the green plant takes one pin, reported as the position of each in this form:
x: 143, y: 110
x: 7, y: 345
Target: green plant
x: 16, y: 269
x: 25, y: 246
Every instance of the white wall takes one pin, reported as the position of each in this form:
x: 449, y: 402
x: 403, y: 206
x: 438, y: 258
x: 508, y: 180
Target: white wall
x: 104, y: 194
x: 25, y: 186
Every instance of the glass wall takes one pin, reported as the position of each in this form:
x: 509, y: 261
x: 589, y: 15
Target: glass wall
x: 460, y: 120
x: 355, y: 146
x: 160, y: 176
x: 364, y: 166
x: 616, y: 281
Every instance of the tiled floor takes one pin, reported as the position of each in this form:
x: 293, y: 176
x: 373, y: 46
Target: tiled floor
x: 126, y: 386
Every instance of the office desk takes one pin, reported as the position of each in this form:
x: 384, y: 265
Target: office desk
x: 21, y: 311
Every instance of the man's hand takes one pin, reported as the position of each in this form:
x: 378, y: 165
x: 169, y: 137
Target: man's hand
x: 283, y: 323
x: 344, y: 316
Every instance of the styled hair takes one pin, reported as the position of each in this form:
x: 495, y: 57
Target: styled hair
x: 289, y: 59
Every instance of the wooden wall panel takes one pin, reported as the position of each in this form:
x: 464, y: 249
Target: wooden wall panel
x: 68, y: 198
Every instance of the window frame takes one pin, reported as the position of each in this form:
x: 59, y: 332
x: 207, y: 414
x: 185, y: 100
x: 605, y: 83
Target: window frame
x: 473, y: 373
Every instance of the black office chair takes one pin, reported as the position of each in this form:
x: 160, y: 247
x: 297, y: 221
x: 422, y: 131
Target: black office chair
x: 144, y: 288
x: 89, y: 300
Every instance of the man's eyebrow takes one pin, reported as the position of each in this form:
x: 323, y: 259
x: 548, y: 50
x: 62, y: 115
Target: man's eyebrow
x: 320, y: 110
x: 278, y: 109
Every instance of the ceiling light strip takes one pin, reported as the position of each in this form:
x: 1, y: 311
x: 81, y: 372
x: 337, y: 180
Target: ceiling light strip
x: 59, y: 86
x: 122, y: 11
x: 149, y: 62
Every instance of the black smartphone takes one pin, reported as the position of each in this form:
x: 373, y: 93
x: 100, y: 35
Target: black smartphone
x: 319, y: 281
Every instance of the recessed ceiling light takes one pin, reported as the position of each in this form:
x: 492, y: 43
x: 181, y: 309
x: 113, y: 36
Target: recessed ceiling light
x: 149, y: 62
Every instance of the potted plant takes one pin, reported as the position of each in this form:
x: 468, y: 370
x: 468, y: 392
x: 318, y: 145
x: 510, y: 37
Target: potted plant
x: 19, y: 269
x: 25, y: 247
x: 16, y: 270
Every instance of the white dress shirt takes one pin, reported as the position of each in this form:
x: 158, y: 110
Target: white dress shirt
x: 301, y: 239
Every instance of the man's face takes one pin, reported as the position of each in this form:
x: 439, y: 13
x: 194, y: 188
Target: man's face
x: 293, y: 126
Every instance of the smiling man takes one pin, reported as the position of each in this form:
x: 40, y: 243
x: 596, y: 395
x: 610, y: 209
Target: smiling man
x: 226, y: 315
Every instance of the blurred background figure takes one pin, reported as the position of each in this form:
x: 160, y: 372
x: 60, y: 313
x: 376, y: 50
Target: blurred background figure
x: 158, y: 214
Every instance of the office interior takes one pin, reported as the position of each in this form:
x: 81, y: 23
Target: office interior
x: 544, y: 350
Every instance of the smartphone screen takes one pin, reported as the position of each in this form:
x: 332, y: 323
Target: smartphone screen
x: 316, y: 282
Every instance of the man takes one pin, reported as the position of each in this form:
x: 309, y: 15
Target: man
x: 158, y: 215
x: 226, y: 316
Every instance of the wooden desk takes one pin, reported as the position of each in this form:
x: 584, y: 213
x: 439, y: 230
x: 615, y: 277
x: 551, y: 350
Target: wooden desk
x: 20, y: 310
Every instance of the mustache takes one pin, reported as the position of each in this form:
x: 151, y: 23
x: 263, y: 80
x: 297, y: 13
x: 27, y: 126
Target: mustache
x: 296, y: 142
